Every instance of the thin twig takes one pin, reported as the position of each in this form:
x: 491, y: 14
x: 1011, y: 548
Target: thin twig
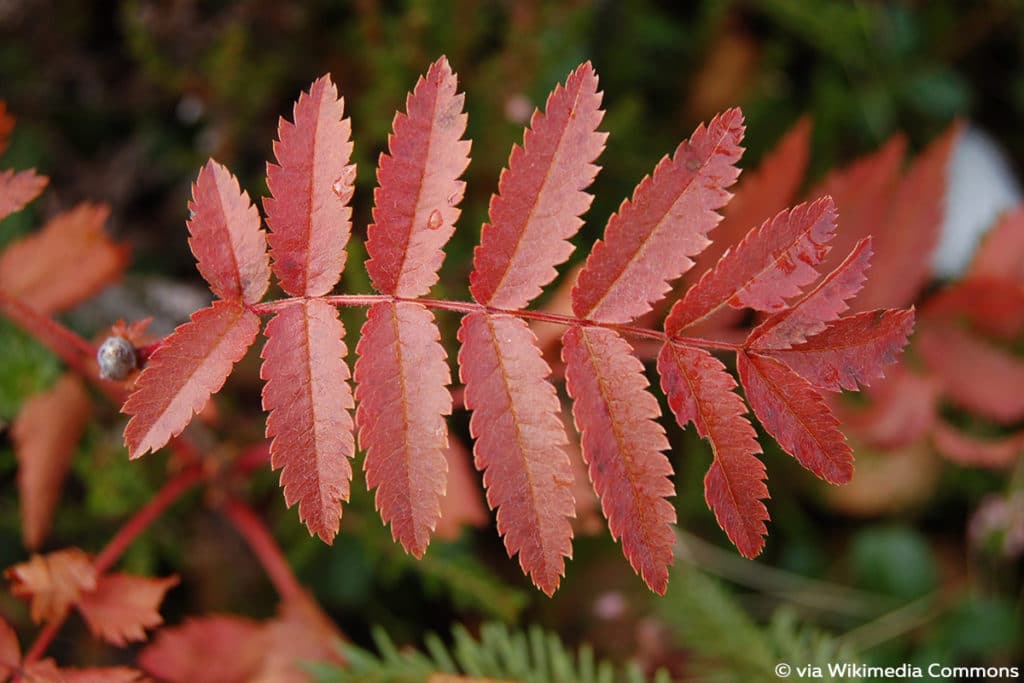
x: 265, y: 548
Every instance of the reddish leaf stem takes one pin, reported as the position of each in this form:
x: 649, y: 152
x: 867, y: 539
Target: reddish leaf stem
x: 472, y: 307
x: 265, y: 548
x: 170, y: 492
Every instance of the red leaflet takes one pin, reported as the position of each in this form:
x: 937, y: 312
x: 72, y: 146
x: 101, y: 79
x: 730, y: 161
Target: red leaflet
x: 309, y: 400
x: 72, y: 243
x: 852, y: 350
x: 53, y: 582
x: 970, y: 451
x: 122, y: 606
x: 401, y: 385
x: 651, y: 240
x: 823, y: 304
x: 419, y: 191
x: 10, y: 649
x: 699, y: 390
x: 902, y: 263
x: 901, y: 412
x: 541, y: 196
x: 311, y: 184
x: 191, y: 365
x: 519, y: 442
x: 45, y: 434
x: 624, y: 445
x: 976, y: 375
x: 18, y: 189
x: 797, y: 416
x: 1001, y: 253
x: 226, y: 238
x: 763, y: 192
x: 770, y: 265
x: 211, y: 649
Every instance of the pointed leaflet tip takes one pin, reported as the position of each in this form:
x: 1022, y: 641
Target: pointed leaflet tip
x: 309, y: 400
x: 654, y: 235
x: 416, y: 203
x: 312, y: 183
x: 541, y: 196
x: 226, y: 236
x: 191, y: 365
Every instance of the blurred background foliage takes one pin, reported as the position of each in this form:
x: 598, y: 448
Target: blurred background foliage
x: 121, y: 101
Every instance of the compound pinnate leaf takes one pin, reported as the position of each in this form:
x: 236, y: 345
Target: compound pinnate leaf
x: 770, y: 265
x: 519, y: 442
x: 541, y: 196
x: 624, y: 446
x: 401, y: 385
x: 820, y: 306
x: 229, y: 245
x: 309, y: 400
x: 53, y: 582
x: 851, y: 351
x: 309, y: 216
x: 18, y: 189
x: 123, y: 606
x: 651, y: 240
x: 700, y: 390
x: 192, y: 364
x: 416, y: 204
x: 796, y: 415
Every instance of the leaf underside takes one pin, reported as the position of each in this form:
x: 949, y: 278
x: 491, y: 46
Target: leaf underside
x: 18, y: 189
x: 123, y: 606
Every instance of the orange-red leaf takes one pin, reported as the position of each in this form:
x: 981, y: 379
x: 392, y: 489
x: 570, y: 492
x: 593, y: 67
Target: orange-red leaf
x: 18, y: 189
x: 770, y: 265
x: 624, y: 446
x: 192, y: 364
x: 761, y: 193
x: 309, y: 216
x: 975, y: 374
x: 46, y: 671
x: 653, y: 237
x: 971, y: 451
x: 122, y: 606
x: 10, y: 649
x: 401, y: 385
x: 416, y: 203
x: 309, y: 400
x: 820, y: 306
x: 229, y: 245
x: 520, y: 441
x: 903, y: 249
x: 541, y: 196
x: 1001, y: 253
x: 902, y: 409
x: 851, y: 351
x: 45, y: 434
x: 74, y: 245
x: 211, y: 649
x: 53, y: 582
x: 796, y: 415
x: 700, y: 390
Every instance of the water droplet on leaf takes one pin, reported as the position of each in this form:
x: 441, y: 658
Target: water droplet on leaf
x: 435, y: 220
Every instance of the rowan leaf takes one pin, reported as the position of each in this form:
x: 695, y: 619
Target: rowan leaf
x: 226, y: 236
x: 45, y: 434
x: 1001, y: 252
x: 902, y: 263
x: 653, y: 237
x: 541, y: 196
x: 191, y: 365
x: 401, y: 385
x: 520, y: 441
x: 73, y: 244
x: 416, y: 203
x: 10, y: 649
x: 309, y: 216
x: 309, y: 400
x: 763, y: 192
x: 901, y: 411
x: 850, y: 351
x: 122, y: 606
x: 52, y: 582
x: 820, y: 306
x: 624, y: 445
x: 300, y: 634
x: 700, y: 390
x: 210, y: 649
x: 796, y: 415
x: 47, y: 672
x: 770, y: 265
x: 18, y: 189
x: 964, y: 449
x: 975, y: 374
